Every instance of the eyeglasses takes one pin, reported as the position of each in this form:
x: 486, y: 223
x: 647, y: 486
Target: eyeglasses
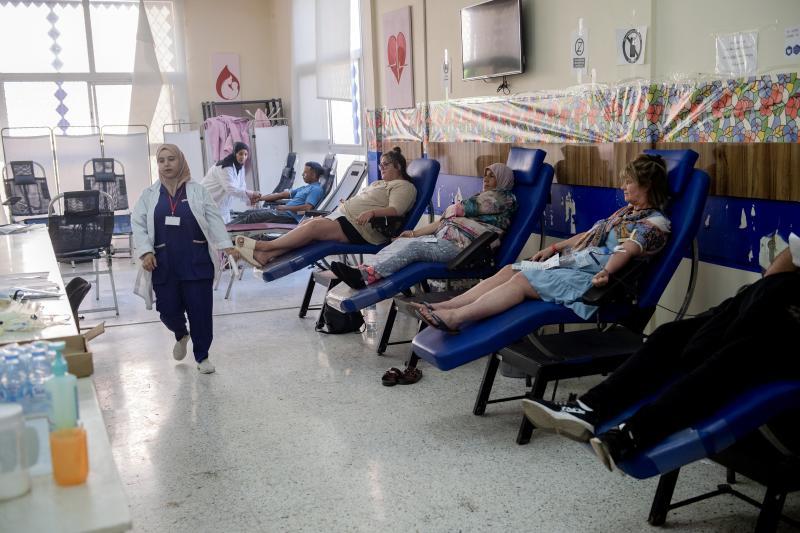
x: 384, y: 165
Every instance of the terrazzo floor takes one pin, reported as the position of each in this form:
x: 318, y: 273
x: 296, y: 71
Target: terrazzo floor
x: 294, y: 432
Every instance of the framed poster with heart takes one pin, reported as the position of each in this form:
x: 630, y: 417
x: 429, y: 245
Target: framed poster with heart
x: 397, y: 46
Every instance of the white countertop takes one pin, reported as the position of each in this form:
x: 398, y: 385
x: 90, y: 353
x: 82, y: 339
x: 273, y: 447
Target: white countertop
x: 23, y: 253
x: 99, y: 504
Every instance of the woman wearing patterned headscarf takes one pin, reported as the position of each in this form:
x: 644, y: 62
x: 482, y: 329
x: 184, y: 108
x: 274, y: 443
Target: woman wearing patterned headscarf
x: 177, y: 232
x: 225, y: 181
x: 441, y: 241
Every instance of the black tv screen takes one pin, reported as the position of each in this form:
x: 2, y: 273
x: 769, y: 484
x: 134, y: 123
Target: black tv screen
x: 491, y: 39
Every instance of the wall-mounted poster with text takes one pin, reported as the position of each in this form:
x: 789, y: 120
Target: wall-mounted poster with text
x: 227, y: 76
x: 399, y: 74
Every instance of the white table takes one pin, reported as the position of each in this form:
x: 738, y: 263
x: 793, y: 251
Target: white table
x: 23, y: 253
x: 98, y: 505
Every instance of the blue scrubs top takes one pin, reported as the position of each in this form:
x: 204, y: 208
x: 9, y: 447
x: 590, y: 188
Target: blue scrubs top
x: 181, y: 251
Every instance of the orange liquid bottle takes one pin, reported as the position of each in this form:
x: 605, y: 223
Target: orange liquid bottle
x: 70, y: 456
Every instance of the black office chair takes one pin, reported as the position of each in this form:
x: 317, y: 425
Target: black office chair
x: 82, y: 233
x: 107, y: 175
x: 76, y: 290
x: 26, y: 188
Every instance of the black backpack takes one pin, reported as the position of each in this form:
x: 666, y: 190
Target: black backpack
x: 333, y: 321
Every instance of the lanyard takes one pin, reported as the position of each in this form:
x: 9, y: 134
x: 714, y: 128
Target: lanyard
x: 174, y: 205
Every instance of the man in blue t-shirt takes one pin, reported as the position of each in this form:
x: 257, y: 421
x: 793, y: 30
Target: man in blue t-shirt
x: 300, y: 199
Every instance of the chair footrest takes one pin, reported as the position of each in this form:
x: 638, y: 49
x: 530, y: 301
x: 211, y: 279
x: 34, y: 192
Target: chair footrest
x: 573, y: 354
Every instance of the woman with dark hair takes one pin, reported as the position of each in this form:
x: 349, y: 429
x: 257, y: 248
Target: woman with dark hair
x: 393, y: 195
x: 225, y: 181
x: 637, y: 231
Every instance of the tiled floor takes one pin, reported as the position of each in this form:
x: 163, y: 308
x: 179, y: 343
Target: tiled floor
x: 295, y: 432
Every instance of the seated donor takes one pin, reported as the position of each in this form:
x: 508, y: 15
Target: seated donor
x: 301, y: 199
x: 225, y: 181
x: 637, y: 231
x: 461, y: 223
x: 391, y: 196
x: 693, y: 366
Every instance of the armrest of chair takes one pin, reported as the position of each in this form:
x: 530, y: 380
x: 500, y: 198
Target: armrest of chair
x: 12, y: 200
x: 622, y: 285
x: 315, y: 213
x: 389, y: 227
x: 478, y: 254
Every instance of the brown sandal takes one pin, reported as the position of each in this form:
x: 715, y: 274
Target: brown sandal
x: 391, y: 377
x: 410, y: 376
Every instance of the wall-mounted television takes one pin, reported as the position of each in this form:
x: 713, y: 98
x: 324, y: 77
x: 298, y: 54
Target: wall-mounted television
x: 491, y: 39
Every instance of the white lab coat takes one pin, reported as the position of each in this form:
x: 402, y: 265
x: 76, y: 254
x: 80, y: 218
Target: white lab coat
x: 225, y: 185
x: 203, y: 208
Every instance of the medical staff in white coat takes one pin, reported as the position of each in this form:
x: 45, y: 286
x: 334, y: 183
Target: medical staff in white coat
x: 177, y: 234
x: 225, y: 181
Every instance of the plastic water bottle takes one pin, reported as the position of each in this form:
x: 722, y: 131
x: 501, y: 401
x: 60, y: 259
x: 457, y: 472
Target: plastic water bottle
x: 371, y: 318
x: 2, y: 371
x: 39, y: 372
x: 14, y: 378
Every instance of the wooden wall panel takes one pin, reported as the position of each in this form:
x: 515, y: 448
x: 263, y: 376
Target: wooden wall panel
x: 747, y: 170
x: 468, y: 158
x: 411, y: 149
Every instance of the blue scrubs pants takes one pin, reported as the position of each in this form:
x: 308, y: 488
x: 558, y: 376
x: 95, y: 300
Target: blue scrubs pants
x: 176, y: 299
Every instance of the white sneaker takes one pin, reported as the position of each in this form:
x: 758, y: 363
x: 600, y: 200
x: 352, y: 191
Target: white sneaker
x: 205, y: 367
x: 179, y: 350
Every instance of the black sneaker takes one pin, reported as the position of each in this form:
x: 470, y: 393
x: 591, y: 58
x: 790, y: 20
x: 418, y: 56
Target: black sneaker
x: 568, y: 419
x: 349, y: 275
x: 613, y: 446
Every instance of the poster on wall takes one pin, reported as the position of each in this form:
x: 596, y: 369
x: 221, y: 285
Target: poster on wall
x: 399, y: 74
x: 737, y: 53
x: 227, y: 76
x: 630, y: 45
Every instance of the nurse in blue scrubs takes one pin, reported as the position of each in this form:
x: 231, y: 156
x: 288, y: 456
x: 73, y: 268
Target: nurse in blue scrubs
x: 178, y: 231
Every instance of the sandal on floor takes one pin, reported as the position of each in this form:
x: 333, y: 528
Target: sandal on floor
x: 247, y: 255
x: 391, y: 377
x: 436, y: 322
x: 245, y: 243
x: 410, y: 376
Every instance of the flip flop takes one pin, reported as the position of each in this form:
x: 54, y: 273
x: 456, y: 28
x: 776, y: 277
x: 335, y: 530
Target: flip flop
x: 246, y: 243
x: 247, y: 255
x: 436, y: 322
x: 391, y: 377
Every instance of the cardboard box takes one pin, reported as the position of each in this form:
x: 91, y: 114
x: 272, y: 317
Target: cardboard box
x: 77, y: 353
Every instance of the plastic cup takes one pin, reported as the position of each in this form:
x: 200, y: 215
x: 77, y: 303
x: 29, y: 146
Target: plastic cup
x: 70, y: 456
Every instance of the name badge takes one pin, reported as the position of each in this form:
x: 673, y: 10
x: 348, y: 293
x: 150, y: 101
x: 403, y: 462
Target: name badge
x: 172, y: 221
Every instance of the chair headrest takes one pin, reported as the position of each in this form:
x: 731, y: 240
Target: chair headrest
x: 525, y: 162
x: 680, y: 164
x: 22, y: 172
x: 103, y: 169
x: 291, y: 159
x: 422, y: 169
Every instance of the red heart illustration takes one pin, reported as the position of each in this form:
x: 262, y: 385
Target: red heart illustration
x: 396, y: 54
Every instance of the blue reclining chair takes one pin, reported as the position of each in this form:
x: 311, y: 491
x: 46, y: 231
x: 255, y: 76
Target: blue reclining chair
x: 423, y: 173
x: 738, y: 437
x: 689, y: 190
x: 532, y: 180
x: 584, y: 352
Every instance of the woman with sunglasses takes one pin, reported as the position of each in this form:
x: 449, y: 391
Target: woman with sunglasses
x: 393, y: 195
